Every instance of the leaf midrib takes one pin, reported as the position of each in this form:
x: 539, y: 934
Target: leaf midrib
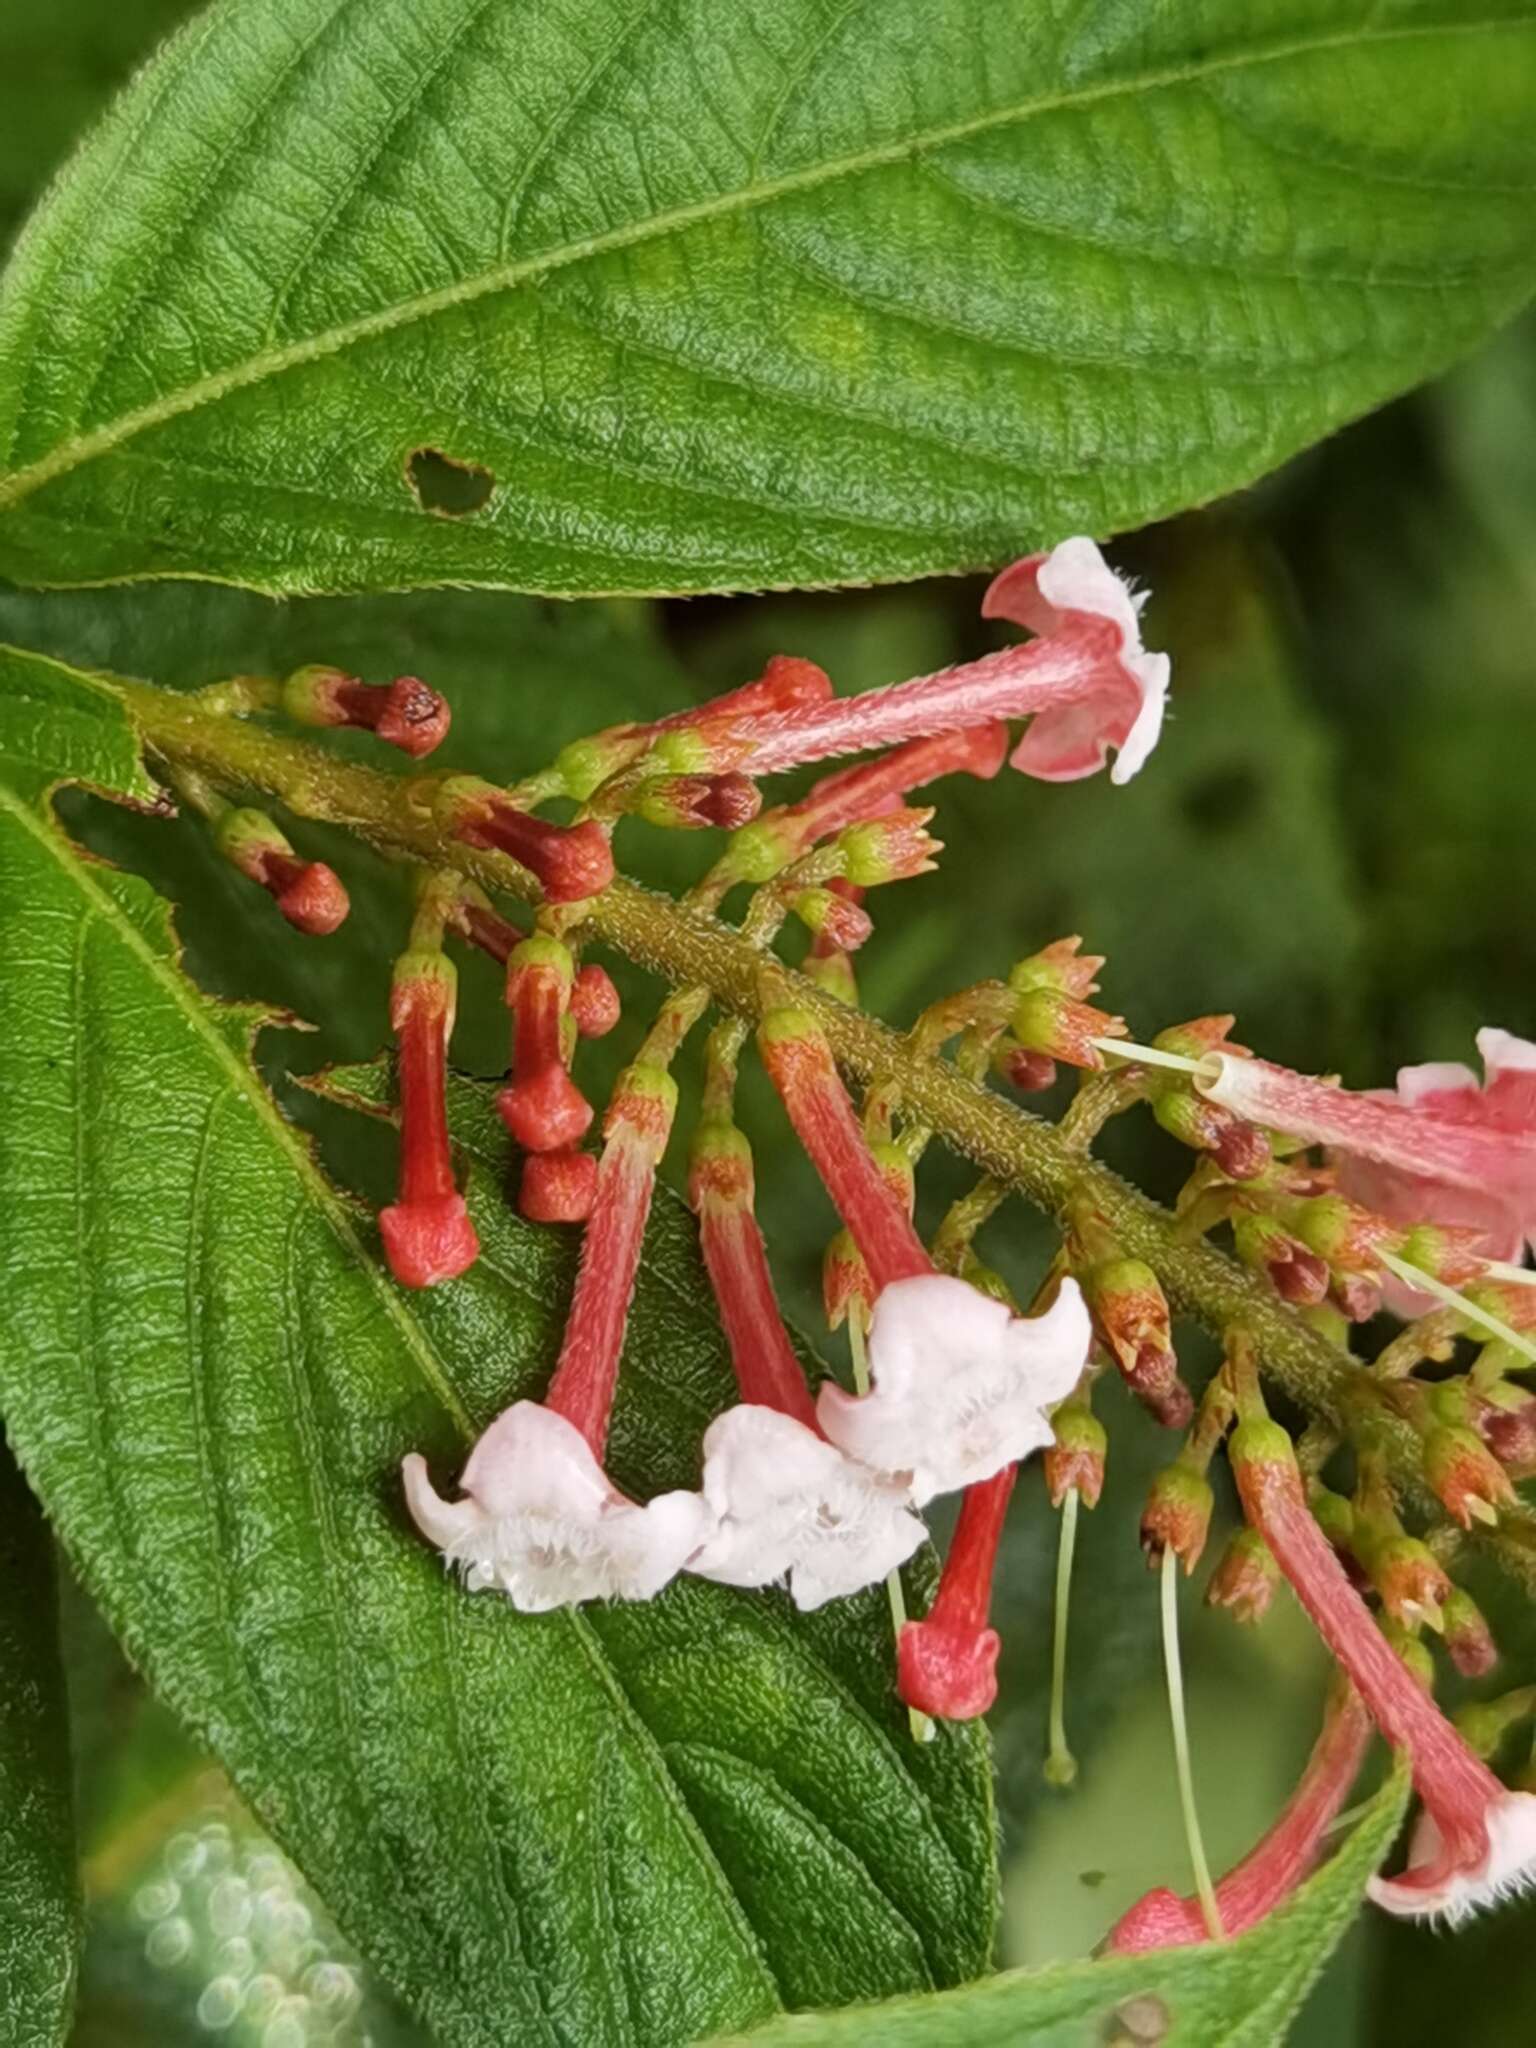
x: 83, y: 448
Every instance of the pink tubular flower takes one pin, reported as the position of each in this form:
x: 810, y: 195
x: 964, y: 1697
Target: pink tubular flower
x: 427, y: 1232
x: 958, y: 1383
x: 543, y: 1108
x: 1272, y: 1870
x: 787, y: 1503
x: 542, y: 1521
x: 405, y: 713
x: 1475, y: 1841
x: 1438, y: 1149
x: 1086, y: 684
x: 947, y: 1663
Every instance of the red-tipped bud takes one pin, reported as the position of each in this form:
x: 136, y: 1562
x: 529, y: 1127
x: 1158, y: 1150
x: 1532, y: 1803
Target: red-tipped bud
x: 1030, y: 1072
x: 691, y: 803
x: 1063, y: 1028
x: 838, y: 920
x: 308, y: 893
x: 1466, y: 1477
x: 1060, y: 968
x: 1409, y: 1577
x: 788, y: 683
x: 1130, y: 1313
x: 406, y: 713
x: 542, y: 1107
x: 1177, y: 1516
x: 1074, y: 1463
x: 1298, y: 1275
x: 594, y: 1001
x: 1510, y: 1430
x: 570, y: 862
x: 1468, y: 1638
x: 1343, y: 1233
x: 1245, y: 1578
x: 557, y: 1187
x: 1192, y: 1041
x: 889, y: 849
x: 427, y: 1232
x: 1240, y: 1149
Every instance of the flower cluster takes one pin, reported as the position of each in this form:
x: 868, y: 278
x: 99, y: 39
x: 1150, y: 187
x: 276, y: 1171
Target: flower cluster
x: 1422, y: 1198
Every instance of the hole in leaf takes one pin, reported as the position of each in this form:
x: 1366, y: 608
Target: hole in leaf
x: 442, y: 485
x: 1220, y: 802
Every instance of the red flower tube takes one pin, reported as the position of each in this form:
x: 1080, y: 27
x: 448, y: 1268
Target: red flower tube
x: 427, y: 1232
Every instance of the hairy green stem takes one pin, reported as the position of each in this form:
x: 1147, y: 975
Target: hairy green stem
x: 686, y: 946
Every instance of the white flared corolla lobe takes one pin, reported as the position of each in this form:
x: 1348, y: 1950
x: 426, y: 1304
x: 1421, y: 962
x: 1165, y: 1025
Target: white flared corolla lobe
x: 789, y: 1505
x: 1123, y: 708
x: 542, y: 1522
x: 959, y: 1386
x: 1441, y: 1885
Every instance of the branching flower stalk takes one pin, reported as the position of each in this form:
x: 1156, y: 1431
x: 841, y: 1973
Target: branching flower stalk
x: 1421, y: 1199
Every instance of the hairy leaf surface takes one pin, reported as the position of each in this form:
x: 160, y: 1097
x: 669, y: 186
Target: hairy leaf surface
x: 678, y: 296
x: 1240, y: 1994
x: 627, y: 1825
x: 39, y: 1887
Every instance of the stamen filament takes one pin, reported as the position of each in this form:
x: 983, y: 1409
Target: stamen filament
x: 1173, y: 1665
x: 923, y: 1727
x: 1415, y: 1276
x: 1132, y: 1054
x: 1502, y: 1269
x: 1060, y: 1764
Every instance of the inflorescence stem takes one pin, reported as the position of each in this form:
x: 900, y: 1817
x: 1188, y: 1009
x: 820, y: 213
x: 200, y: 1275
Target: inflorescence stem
x: 688, y: 947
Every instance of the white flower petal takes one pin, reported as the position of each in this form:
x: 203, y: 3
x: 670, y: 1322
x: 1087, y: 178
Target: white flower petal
x: 960, y: 1386
x: 1074, y: 577
x: 1503, y: 1053
x: 789, y: 1504
x: 1454, y: 1892
x: 544, y: 1524
x: 1434, y: 1077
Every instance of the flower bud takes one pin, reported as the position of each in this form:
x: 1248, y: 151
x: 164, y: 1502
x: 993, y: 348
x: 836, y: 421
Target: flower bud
x: 1201, y: 1035
x: 1245, y: 1578
x: 584, y: 765
x: 594, y: 1001
x: 1130, y: 1314
x: 1298, y: 1275
x: 570, y: 862
x: 1029, y: 1072
x: 1507, y: 1424
x: 693, y: 802
x: 833, y: 973
x: 1177, y: 1516
x: 405, y: 713
x: 845, y: 1280
x: 1075, y: 1461
x: 1261, y: 1453
x: 1468, y: 1638
x: 557, y: 1187
x: 837, y: 919
x: 1343, y: 1233
x: 1466, y: 1477
x: 1240, y: 1149
x: 1409, y: 1577
x: 1063, y: 1028
x: 1060, y: 968
x: 1334, y: 1515
x: 888, y: 849
x: 308, y: 893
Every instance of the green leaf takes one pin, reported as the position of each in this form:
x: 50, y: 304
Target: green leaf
x: 1238, y: 1994
x: 40, y: 1921
x: 632, y: 1825
x: 696, y: 298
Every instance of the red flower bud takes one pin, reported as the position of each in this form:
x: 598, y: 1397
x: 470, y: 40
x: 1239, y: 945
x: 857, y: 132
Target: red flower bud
x: 594, y: 1001
x: 693, y: 802
x: 308, y: 893
x: 1130, y: 1314
x: 1030, y: 1072
x: 569, y: 862
x: 542, y: 1107
x: 1465, y: 1476
x: 405, y: 713
x: 839, y: 921
x: 1468, y: 1638
x: 1298, y: 1275
x: 1240, y: 1149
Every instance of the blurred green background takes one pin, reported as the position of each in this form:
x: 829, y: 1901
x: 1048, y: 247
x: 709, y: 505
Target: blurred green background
x: 1335, y: 840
